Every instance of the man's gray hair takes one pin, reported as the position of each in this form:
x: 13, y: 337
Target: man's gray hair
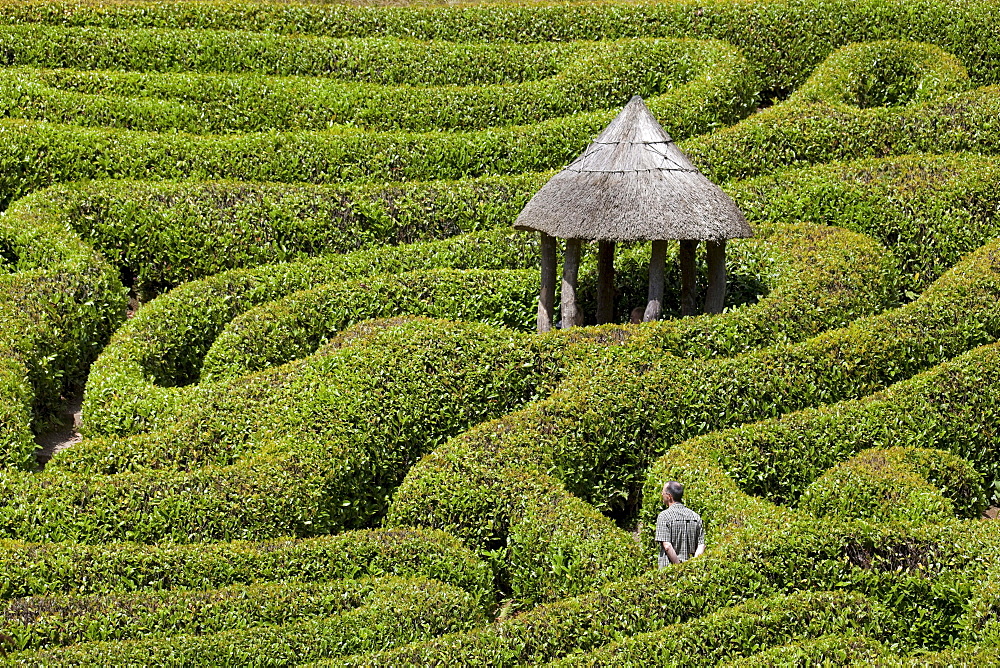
x: 675, y: 490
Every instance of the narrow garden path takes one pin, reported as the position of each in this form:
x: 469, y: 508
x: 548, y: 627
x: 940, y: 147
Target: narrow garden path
x: 63, y: 434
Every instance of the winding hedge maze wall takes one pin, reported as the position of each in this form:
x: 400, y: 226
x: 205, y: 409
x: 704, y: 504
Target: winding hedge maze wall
x: 329, y: 433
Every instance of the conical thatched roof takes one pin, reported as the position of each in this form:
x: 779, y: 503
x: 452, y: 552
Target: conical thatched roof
x: 633, y: 184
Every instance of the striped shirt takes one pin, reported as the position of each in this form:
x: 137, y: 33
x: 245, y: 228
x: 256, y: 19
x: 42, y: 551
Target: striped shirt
x: 682, y: 528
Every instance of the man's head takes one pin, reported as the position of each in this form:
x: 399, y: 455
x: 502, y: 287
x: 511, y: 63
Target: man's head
x: 673, y: 492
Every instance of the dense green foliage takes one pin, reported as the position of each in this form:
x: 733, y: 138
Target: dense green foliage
x: 325, y: 431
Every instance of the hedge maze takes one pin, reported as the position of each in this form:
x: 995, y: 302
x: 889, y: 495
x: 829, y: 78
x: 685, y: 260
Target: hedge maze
x: 271, y: 247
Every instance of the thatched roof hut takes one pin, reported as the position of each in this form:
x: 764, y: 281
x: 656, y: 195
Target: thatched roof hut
x: 632, y: 184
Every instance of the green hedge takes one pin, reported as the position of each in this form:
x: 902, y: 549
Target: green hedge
x: 421, y: 92
x: 603, y: 426
x: 584, y: 622
x: 48, y: 621
x: 746, y: 628
x: 391, y: 62
x: 45, y: 569
x: 792, y: 134
x: 297, y: 325
x: 882, y: 74
x: 786, y: 134
x: 926, y: 573
x: 894, y: 484
x: 307, y: 448
x: 951, y: 406
x: 829, y: 650
x: 930, y: 210
x: 137, y: 377
x: 396, y: 612
x: 785, y: 39
x: 160, y: 235
x: 59, y: 302
x: 718, y: 91
x: 791, y: 264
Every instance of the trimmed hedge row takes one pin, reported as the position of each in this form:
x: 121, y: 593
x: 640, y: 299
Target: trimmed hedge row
x: 717, y: 92
x: 139, y: 374
x: 884, y: 74
x: 58, y: 305
x: 47, y: 621
x: 308, y: 448
x: 786, y: 134
x: 295, y: 326
x: 791, y: 134
x: 598, y: 616
x: 923, y: 575
x: 828, y: 650
x: 396, y: 612
x: 746, y: 628
x: 45, y: 569
x: 930, y: 210
x: 897, y: 484
x: 603, y: 426
x: 161, y: 234
x: 785, y: 39
x: 951, y: 407
x: 584, y: 77
x: 391, y: 62
x: 791, y: 263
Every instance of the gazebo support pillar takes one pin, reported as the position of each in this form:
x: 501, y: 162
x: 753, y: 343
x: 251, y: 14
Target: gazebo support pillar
x: 689, y: 287
x: 605, y: 282
x: 571, y: 316
x: 715, y: 295
x: 547, y: 292
x: 657, y: 261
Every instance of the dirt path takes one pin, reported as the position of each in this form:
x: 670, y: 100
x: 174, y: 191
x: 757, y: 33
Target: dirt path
x: 65, y: 434
x: 992, y: 513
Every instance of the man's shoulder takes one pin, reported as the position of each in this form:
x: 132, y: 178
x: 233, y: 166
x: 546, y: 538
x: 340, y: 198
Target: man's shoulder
x: 680, y: 511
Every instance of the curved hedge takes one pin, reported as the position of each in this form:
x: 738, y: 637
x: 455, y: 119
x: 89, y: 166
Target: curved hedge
x: 45, y: 569
x: 718, y: 88
x: 308, y: 448
x: 790, y: 134
x: 784, y: 39
x: 789, y: 263
x: 162, y: 234
x: 885, y: 485
x: 883, y: 74
x: 424, y: 87
x: 297, y: 325
x: 239, y: 458
x: 58, y: 305
x: 50, y: 621
x: 396, y: 612
x: 164, y: 344
x: 602, y: 427
x: 748, y: 627
x: 930, y: 210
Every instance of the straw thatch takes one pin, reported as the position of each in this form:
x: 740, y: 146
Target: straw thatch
x: 633, y: 184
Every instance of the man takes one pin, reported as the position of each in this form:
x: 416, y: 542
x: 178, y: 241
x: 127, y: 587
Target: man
x: 679, y: 530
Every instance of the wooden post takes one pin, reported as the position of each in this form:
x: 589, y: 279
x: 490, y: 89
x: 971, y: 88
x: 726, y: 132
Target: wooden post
x: 657, y: 260
x: 571, y: 316
x: 605, y: 282
x: 547, y: 292
x: 689, y: 288
x: 715, y: 296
